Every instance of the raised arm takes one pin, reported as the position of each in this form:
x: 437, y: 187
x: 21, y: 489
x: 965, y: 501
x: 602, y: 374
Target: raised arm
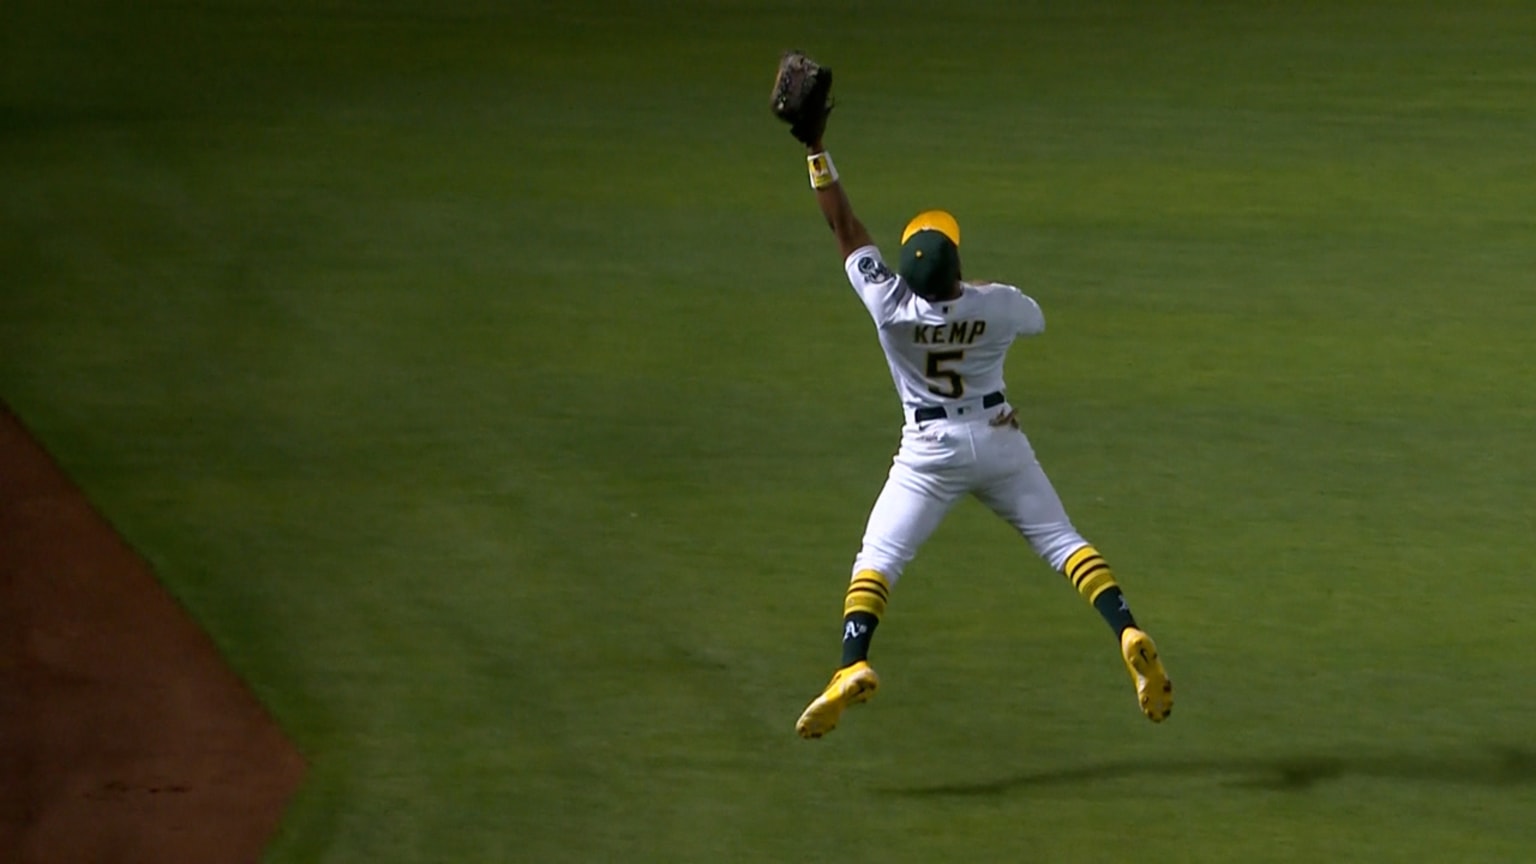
x: 802, y: 97
x: 846, y: 227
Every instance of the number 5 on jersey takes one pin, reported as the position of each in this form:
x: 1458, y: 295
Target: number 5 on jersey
x: 938, y: 373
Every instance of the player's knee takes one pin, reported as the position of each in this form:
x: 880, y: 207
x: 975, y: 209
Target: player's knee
x: 884, y: 555
x: 1054, y: 542
x: 888, y: 568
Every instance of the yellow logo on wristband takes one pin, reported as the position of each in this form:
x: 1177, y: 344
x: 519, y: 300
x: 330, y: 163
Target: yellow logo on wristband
x: 823, y: 172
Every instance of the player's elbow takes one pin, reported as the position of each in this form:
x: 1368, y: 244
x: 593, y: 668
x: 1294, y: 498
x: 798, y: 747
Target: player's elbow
x: 851, y: 238
x: 1033, y: 320
x: 856, y: 234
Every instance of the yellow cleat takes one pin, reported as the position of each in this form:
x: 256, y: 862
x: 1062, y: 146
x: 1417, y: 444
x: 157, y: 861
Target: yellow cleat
x: 1153, y: 689
x: 850, y: 686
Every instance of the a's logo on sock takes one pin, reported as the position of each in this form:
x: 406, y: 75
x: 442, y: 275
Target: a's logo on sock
x: 853, y: 630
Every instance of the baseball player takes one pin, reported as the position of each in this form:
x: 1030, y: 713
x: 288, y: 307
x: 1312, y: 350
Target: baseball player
x: 945, y: 340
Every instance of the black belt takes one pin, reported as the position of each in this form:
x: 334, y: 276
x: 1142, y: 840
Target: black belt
x: 936, y: 412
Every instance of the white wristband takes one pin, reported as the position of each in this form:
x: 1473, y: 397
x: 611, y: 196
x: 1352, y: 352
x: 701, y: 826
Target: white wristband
x: 823, y: 172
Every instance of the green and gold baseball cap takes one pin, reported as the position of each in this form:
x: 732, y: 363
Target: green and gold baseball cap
x: 930, y: 253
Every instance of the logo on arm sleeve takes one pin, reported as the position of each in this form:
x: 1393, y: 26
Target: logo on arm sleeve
x: 873, y: 270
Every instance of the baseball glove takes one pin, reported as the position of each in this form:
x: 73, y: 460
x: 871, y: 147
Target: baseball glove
x: 802, y: 96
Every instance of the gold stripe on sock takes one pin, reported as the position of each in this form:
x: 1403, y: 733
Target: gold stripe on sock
x: 1090, y: 569
x: 1097, y: 584
x: 1079, y: 569
x: 873, y: 586
x: 1089, y: 573
x: 1082, y: 554
x: 868, y: 592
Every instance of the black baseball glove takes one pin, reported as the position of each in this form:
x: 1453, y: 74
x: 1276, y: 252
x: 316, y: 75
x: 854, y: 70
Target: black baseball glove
x: 802, y: 96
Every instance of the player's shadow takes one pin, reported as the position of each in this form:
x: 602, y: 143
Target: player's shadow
x: 1495, y: 766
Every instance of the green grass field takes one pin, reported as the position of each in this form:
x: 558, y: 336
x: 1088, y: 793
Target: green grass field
x: 484, y: 378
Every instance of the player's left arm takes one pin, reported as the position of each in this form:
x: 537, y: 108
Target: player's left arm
x: 802, y: 97
x: 833, y: 199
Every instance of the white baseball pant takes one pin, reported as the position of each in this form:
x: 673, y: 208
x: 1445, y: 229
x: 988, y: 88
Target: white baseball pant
x: 941, y: 460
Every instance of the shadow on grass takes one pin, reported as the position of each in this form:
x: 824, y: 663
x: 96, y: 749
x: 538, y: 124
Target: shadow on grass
x: 1508, y: 766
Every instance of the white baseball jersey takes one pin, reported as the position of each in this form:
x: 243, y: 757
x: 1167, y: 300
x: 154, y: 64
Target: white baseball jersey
x: 949, y: 354
x: 944, y: 353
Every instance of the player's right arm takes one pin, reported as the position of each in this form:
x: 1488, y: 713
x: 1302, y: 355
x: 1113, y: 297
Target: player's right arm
x: 1028, y: 319
x: 846, y: 227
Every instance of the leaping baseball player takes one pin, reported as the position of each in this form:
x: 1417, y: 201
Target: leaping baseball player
x: 946, y: 340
